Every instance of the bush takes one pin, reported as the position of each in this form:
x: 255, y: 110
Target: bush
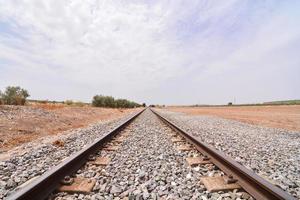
x: 124, y: 103
x: 43, y: 101
x: 69, y: 102
x: 1, y: 102
x: 14, y: 96
x: 103, y: 101
x: 98, y: 101
x: 110, y: 102
x: 230, y: 104
x: 121, y: 103
x: 79, y: 104
x: 74, y: 103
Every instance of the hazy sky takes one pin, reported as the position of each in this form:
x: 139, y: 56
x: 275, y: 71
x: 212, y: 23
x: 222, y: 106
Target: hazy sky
x: 167, y: 52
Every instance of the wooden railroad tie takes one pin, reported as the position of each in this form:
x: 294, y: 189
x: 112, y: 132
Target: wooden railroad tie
x: 219, y: 183
x: 78, y: 185
x: 111, y: 148
x: 176, y: 139
x: 101, y: 161
x: 184, y: 148
x: 118, y: 140
x: 193, y: 161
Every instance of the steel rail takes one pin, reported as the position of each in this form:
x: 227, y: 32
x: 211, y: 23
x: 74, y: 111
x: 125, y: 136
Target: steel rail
x: 42, y: 187
x: 256, y: 186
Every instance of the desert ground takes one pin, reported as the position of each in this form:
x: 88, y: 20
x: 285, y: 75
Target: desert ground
x: 284, y: 116
x: 21, y: 124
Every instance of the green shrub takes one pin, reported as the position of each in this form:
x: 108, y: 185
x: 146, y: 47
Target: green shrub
x: 79, y: 103
x: 69, y: 102
x: 103, y: 101
x: 98, y: 101
x: 121, y: 103
x: 43, y: 101
x: 1, y: 102
x: 14, y: 96
x: 110, y: 102
x: 74, y: 103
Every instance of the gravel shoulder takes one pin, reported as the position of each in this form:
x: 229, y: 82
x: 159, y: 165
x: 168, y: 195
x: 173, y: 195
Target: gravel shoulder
x: 34, y: 158
x: 272, y: 153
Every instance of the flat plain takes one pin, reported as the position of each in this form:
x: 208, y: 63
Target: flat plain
x: 277, y: 116
x: 22, y: 124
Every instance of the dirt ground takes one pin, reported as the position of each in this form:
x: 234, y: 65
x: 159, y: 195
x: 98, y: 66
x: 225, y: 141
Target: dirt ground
x: 21, y: 124
x: 285, y: 117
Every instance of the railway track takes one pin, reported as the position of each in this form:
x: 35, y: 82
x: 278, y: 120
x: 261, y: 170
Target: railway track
x: 151, y: 158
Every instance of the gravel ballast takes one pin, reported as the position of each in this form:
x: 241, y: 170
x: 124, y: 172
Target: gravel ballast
x: 148, y: 165
x: 34, y: 158
x: 272, y: 153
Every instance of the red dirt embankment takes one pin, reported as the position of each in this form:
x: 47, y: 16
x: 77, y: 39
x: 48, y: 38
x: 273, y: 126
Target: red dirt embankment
x: 285, y: 116
x: 21, y: 124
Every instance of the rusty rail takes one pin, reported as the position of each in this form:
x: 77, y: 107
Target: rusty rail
x: 256, y: 186
x: 41, y: 187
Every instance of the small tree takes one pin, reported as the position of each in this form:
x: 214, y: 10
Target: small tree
x: 230, y: 104
x: 121, y: 103
x: 14, y: 95
x: 110, y: 102
x: 98, y: 101
x: 1, y: 101
x: 69, y: 102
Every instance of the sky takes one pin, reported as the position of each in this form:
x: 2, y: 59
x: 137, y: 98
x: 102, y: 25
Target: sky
x: 158, y: 52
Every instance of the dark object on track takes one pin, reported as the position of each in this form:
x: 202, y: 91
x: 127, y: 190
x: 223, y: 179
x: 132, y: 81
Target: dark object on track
x: 256, y: 186
x: 41, y: 187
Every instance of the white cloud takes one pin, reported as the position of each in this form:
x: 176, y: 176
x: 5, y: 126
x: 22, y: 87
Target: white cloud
x: 134, y: 49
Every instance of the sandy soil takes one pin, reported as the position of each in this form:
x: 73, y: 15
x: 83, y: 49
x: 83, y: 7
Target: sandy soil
x: 285, y: 117
x: 20, y: 124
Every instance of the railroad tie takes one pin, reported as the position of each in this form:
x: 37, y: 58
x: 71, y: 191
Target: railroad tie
x: 193, y: 161
x: 102, y: 161
x: 78, y: 185
x: 218, y: 183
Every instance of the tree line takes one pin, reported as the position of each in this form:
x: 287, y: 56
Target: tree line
x: 111, y: 102
x: 15, y: 95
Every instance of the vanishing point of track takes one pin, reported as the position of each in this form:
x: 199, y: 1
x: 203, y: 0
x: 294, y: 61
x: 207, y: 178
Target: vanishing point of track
x: 234, y: 173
